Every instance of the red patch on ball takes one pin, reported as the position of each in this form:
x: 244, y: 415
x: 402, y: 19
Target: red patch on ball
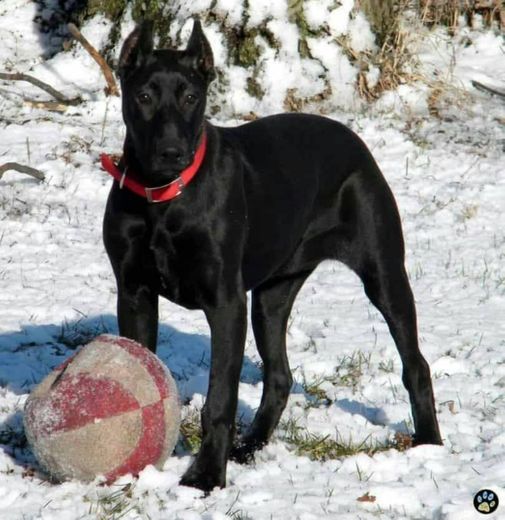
x: 111, y: 409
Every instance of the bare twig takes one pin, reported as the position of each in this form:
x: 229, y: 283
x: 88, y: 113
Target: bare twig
x: 20, y: 76
x: 53, y: 106
x: 21, y: 168
x: 480, y: 86
x: 112, y: 88
x: 28, y: 150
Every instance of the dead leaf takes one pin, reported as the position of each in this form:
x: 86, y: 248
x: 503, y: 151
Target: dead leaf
x: 366, y: 498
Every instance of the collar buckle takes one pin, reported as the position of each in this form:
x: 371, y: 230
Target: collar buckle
x: 123, y: 177
x: 178, y: 183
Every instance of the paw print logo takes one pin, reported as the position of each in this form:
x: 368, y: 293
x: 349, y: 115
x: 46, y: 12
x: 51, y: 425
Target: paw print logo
x: 486, y: 501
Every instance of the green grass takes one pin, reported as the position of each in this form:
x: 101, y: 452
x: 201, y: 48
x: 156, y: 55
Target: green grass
x: 316, y: 392
x: 326, y: 447
x: 191, y: 431
x: 237, y: 514
x: 115, y: 505
x: 347, y: 373
x: 387, y: 366
x: 12, y: 437
x: 350, y: 369
x: 77, y: 333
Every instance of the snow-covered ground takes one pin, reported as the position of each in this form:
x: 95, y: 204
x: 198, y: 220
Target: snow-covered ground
x: 57, y: 292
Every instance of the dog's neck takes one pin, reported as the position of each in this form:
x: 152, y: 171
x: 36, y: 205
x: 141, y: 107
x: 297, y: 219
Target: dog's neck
x: 129, y: 157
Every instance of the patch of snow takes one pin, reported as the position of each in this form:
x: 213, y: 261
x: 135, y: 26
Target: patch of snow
x: 447, y: 175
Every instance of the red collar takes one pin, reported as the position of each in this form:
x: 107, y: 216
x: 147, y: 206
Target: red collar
x: 160, y: 193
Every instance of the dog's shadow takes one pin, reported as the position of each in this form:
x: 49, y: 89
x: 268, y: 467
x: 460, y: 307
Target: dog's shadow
x: 28, y: 355
x: 50, y: 20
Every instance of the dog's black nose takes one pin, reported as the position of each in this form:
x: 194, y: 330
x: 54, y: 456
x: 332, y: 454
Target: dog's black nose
x: 173, y: 155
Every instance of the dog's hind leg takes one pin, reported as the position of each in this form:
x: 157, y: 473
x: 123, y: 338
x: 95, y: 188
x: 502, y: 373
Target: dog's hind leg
x: 271, y: 306
x: 388, y: 288
x: 376, y: 254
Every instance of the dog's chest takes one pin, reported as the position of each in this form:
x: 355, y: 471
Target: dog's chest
x: 181, y: 260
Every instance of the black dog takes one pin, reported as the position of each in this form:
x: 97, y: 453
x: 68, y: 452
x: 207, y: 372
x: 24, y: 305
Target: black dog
x: 258, y: 208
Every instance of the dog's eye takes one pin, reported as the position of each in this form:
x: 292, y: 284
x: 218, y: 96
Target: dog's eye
x: 190, y: 99
x: 144, y: 99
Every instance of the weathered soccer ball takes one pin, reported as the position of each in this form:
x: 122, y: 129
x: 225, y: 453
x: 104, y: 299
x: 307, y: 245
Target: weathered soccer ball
x: 111, y: 409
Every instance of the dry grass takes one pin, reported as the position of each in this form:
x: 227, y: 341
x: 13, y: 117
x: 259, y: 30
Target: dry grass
x: 444, y: 96
x: 395, y: 62
x: 450, y: 12
x: 393, y: 59
x: 383, y: 17
x: 294, y: 103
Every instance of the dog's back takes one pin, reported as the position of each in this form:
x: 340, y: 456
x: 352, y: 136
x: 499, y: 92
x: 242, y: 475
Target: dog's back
x: 295, y: 169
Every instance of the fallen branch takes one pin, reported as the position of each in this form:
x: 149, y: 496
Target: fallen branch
x: 52, y: 106
x: 21, y: 168
x: 112, y: 88
x: 56, y: 94
x: 486, y: 88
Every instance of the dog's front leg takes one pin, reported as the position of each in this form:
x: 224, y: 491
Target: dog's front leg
x: 137, y: 313
x: 228, y: 331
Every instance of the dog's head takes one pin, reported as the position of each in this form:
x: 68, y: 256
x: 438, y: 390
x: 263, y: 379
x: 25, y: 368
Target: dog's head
x: 164, y: 93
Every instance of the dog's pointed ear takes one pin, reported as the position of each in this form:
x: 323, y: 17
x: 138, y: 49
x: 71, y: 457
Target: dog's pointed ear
x: 136, y: 48
x: 200, y: 52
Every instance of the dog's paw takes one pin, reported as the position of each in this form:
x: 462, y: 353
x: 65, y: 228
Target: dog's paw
x: 427, y: 438
x: 201, y: 479
x: 485, y: 501
x: 243, y: 454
